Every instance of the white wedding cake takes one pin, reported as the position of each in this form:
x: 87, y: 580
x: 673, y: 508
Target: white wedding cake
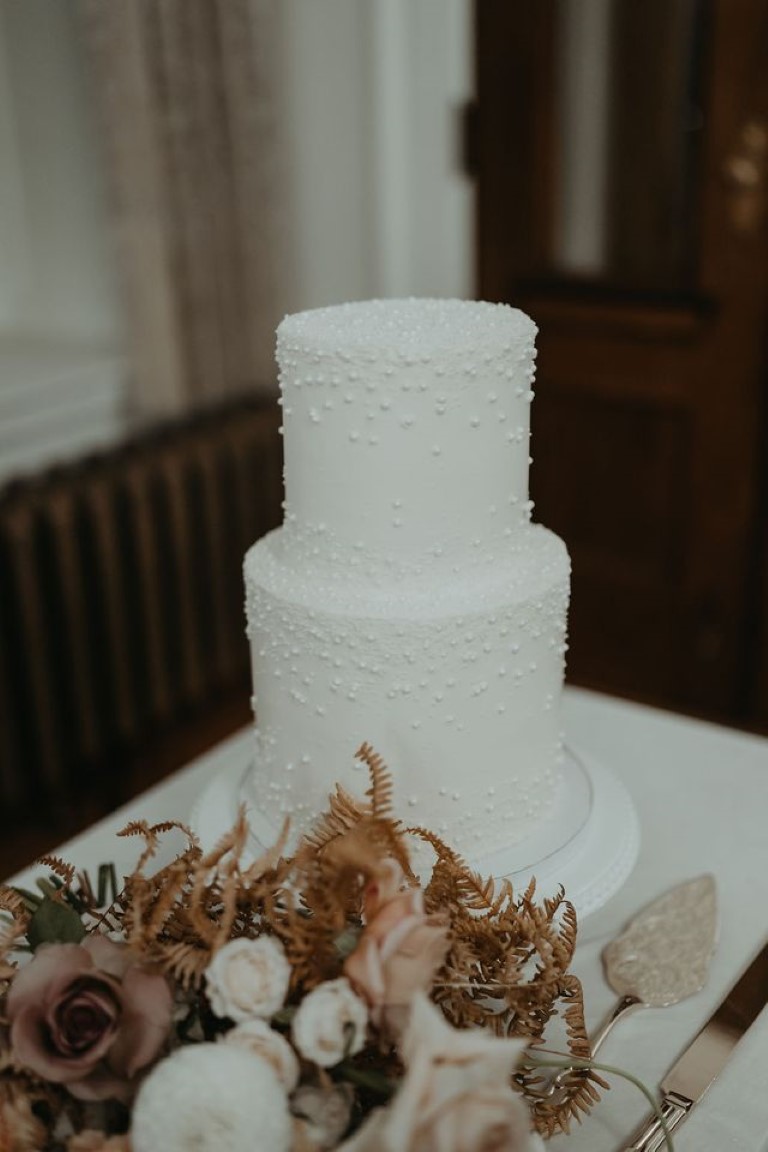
x: 408, y: 601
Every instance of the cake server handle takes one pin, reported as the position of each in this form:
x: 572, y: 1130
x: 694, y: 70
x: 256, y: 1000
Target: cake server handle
x: 621, y: 1008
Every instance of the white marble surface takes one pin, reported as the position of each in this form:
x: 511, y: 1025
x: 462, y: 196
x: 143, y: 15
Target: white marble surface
x: 701, y: 793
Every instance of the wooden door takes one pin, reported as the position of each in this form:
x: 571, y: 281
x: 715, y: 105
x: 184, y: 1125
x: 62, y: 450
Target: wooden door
x: 621, y: 159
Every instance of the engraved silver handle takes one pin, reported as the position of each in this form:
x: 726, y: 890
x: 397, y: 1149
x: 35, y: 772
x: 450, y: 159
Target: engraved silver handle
x: 621, y: 1009
x: 650, y: 1138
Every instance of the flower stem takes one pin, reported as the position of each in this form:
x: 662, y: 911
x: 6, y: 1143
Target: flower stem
x: 611, y: 1070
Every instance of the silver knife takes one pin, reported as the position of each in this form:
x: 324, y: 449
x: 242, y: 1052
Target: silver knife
x: 687, y: 1081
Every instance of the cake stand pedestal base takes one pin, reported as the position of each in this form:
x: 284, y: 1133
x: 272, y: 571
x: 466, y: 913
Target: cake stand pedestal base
x: 589, y: 845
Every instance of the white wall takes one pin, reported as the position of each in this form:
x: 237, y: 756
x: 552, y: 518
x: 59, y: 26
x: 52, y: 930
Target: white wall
x: 370, y: 92
x: 62, y: 368
x: 323, y: 127
x: 12, y: 217
x: 60, y: 280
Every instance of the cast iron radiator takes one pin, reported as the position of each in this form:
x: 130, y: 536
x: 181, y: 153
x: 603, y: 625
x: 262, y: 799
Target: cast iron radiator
x: 121, y: 597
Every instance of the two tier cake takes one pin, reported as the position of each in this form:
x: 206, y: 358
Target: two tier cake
x: 408, y: 601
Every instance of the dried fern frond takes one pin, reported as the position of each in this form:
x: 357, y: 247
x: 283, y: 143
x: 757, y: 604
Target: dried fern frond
x: 453, y: 880
x: 344, y: 812
x: 60, y: 868
x: 270, y: 857
x: 142, y: 828
x: 381, y: 789
x: 12, y: 902
x: 14, y: 919
x: 228, y: 849
x: 151, y: 834
x: 185, y: 963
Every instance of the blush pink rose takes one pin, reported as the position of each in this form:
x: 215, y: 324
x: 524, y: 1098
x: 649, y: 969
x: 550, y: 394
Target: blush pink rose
x: 400, y: 950
x: 489, y: 1119
x: 88, y: 1016
x: 456, y: 1094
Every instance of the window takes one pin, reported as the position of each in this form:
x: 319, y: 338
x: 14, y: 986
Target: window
x: 62, y: 368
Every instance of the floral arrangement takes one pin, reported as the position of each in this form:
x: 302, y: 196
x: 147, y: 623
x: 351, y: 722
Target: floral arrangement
x: 322, y: 999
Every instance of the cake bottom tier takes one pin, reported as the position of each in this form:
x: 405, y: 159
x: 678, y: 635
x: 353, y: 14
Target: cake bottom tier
x: 462, y: 705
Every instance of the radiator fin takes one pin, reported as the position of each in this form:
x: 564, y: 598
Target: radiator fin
x: 121, y: 599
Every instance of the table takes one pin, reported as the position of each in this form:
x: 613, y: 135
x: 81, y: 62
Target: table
x: 701, y: 793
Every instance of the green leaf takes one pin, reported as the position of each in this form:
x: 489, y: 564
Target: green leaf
x: 32, y: 900
x: 107, y: 883
x: 368, y: 1078
x: 284, y: 1017
x: 346, y: 942
x: 54, y: 923
x: 50, y: 885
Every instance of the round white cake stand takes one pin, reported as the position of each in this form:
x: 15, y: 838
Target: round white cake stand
x: 589, y: 844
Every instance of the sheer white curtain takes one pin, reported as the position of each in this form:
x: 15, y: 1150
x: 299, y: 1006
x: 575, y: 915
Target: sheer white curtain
x: 185, y: 95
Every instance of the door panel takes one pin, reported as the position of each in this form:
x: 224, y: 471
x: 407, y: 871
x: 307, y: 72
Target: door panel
x: 631, y: 227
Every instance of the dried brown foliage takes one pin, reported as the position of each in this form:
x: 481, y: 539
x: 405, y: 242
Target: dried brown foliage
x: 14, y: 918
x: 507, y: 970
x: 507, y: 967
x: 60, y: 868
x: 20, y: 1128
x: 24, y: 1102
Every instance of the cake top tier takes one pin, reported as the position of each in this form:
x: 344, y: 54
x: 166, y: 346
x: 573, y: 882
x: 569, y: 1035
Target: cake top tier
x: 406, y: 426
x: 414, y: 330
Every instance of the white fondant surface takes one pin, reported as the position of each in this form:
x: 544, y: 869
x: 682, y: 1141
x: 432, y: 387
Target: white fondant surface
x: 407, y: 425
x: 407, y: 601
x: 589, y: 849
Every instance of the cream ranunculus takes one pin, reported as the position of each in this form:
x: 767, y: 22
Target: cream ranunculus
x: 248, y: 979
x: 259, y: 1038
x: 211, y: 1097
x: 456, y: 1094
x: 330, y: 1023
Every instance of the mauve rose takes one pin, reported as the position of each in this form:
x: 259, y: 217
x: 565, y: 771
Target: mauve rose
x: 89, y: 1016
x: 400, y: 949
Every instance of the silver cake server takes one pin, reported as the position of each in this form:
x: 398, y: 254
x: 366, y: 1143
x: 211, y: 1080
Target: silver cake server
x: 661, y: 957
x: 664, y: 953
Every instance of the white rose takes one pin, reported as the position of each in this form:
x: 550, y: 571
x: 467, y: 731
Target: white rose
x: 248, y: 978
x: 330, y: 1023
x: 259, y: 1038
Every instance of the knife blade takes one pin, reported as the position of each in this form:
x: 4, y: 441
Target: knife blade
x: 692, y: 1075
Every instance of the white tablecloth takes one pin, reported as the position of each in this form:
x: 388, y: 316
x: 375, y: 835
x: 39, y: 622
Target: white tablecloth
x: 701, y: 793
